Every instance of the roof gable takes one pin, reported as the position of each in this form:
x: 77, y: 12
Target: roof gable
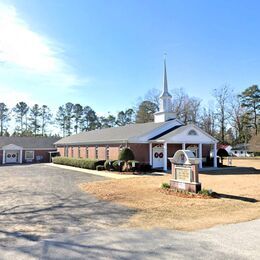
x: 188, y: 134
x: 12, y: 147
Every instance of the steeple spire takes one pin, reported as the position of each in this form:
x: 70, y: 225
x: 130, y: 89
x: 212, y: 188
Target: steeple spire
x: 165, y: 112
x: 165, y: 92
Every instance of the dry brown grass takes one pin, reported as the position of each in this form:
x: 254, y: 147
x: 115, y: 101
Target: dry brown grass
x: 244, y: 162
x: 157, y: 209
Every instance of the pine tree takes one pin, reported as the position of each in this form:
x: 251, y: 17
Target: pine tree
x: 4, y: 118
x: 21, y: 109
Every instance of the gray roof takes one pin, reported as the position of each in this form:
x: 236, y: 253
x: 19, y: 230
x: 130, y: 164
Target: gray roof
x: 29, y: 142
x: 110, y: 135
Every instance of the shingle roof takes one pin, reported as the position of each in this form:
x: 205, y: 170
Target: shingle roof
x: 29, y: 142
x: 115, y: 134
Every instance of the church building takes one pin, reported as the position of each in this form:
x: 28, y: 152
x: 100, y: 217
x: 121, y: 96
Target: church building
x: 152, y: 142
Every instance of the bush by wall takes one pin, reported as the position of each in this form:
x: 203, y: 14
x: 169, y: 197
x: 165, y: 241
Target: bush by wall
x: 126, y: 155
x: 133, y: 165
x: 118, y: 165
x: 81, y: 163
x: 109, y: 165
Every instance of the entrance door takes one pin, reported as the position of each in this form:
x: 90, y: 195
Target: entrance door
x: 158, y: 156
x: 11, y: 157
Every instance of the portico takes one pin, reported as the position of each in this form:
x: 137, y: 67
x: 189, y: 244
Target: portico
x: 12, y: 154
x: 188, y: 137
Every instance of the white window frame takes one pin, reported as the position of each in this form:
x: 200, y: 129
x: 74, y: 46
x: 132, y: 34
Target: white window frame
x: 107, y: 153
x: 26, y: 157
x: 96, y: 152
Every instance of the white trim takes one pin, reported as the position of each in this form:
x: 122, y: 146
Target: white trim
x: 29, y: 151
x: 200, y: 155
x: 215, y: 156
x: 3, y: 159
x: 151, y: 154
x: 21, y: 156
x: 183, y: 146
x: 165, y: 154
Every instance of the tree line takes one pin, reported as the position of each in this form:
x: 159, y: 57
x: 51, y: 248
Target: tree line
x: 70, y: 118
x: 232, y: 118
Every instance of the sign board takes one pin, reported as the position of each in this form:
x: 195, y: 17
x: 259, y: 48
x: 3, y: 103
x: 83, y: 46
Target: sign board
x: 183, y: 174
x: 181, y: 185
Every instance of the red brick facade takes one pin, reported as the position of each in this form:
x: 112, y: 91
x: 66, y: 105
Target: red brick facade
x: 39, y: 156
x: 141, y: 151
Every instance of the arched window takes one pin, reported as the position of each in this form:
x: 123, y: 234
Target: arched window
x: 192, y: 132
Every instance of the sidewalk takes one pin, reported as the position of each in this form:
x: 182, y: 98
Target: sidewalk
x: 106, y: 174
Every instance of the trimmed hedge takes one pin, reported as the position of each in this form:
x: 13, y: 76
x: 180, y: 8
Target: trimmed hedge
x: 100, y: 168
x: 109, y: 165
x: 126, y: 155
x: 81, y: 163
x: 133, y: 165
x: 118, y: 165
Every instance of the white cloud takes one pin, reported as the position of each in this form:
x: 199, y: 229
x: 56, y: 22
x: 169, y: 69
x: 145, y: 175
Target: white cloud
x: 23, y: 49
x: 11, y: 96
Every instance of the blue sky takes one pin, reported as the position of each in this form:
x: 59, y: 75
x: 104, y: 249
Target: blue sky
x: 108, y: 53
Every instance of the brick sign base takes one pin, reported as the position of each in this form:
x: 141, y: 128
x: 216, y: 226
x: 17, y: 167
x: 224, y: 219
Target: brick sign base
x: 191, y: 187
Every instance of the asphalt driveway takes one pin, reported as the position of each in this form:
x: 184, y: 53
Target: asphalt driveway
x: 39, y: 200
x: 44, y: 215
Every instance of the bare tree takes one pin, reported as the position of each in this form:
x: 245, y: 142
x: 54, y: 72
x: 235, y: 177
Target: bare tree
x: 208, y: 120
x: 222, y: 96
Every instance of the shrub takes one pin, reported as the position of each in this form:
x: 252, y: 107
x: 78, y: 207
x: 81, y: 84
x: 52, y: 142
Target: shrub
x: 165, y: 185
x: 100, y: 168
x: 144, y: 167
x: 118, y: 165
x: 126, y: 155
x: 109, y: 165
x: 133, y: 165
x: 81, y: 163
x: 206, y: 192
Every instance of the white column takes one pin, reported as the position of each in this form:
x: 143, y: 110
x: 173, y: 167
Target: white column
x: 183, y: 146
x: 215, y: 155
x: 151, y: 154
x: 21, y: 156
x: 200, y: 155
x: 165, y: 156
x: 3, y: 161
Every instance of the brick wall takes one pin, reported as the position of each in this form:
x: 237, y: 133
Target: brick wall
x: 141, y: 152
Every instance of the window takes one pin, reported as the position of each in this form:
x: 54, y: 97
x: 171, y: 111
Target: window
x: 107, y: 153
x: 66, y: 153
x: 192, y: 132
x: 96, y: 152
x: 29, y: 155
x: 86, y: 151
x: 79, y: 152
x: 71, y: 151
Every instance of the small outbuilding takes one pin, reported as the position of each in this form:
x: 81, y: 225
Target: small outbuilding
x: 17, y: 150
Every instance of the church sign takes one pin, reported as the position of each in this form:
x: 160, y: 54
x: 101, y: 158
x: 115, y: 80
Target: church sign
x: 183, y: 174
x: 185, y: 171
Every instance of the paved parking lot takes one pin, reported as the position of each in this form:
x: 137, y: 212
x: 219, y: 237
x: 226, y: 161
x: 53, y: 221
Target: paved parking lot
x: 44, y: 215
x: 39, y: 200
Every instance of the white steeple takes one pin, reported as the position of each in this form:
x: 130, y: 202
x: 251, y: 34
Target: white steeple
x: 165, y: 112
